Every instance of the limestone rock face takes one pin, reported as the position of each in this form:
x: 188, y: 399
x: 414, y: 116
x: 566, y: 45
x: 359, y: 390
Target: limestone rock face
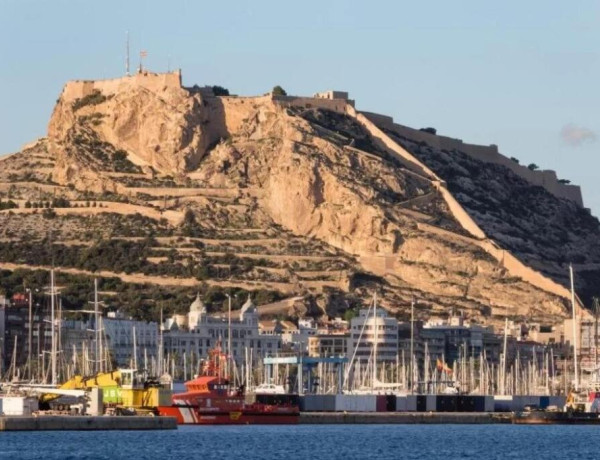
x: 319, y: 174
x: 166, y: 128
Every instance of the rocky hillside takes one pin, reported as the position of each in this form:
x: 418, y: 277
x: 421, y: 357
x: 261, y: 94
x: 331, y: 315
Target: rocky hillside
x: 151, y: 185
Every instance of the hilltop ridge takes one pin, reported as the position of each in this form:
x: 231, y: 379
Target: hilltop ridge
x: 416, y: 214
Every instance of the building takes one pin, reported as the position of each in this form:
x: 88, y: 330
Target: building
x: 366, y: 330
x: 465, y: 340
x: 116, y: 333
x: 15, y: 328
x: 198, y: 333
x: 328, y: 344
x: 119, y: 333
x: 296, y: 338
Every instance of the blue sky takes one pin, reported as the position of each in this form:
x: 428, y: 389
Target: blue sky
x: 523, y: 75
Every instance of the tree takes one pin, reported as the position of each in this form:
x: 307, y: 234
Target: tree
x: 278, y: 91
x: 533, y: 166
x: 220, y: 91
x: 429, y: 130
x: 515, y: 160
x: 564, y: 181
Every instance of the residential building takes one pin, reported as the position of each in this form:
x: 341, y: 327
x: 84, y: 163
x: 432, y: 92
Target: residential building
x: 328, y: 344
x: 368, y: 330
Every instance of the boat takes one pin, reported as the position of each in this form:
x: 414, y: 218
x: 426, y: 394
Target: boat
x: 548, y: 417
x: 212, y: 399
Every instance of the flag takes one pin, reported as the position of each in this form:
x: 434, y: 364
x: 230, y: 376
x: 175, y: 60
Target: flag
x: 442, y: 366
x: 143, y: 54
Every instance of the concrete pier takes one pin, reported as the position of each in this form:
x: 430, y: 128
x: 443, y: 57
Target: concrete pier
x: 316, y: 418
x: 86, y: 423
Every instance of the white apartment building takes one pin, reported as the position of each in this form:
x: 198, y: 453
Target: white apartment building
x: 380, y: 329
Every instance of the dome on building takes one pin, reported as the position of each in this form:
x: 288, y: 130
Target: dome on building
x: 197, y: 305
x: 248, y: 307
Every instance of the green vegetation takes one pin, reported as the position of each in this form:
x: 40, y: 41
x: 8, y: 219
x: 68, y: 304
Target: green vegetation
x: 515, y: 160
x: 140, y: 301
x: 122, y: 164
x: 533, y: 167
x: 94, y: 98
x: 10, y: 204
x: 278, y: 91
x: 429, y: 130
x: 220, y: 91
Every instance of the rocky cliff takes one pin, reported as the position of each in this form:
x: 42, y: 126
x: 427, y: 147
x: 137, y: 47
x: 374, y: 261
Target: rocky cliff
x: 296, y: 198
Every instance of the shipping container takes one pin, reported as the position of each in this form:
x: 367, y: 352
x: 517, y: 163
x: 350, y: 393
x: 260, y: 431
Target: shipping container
x: 446, y: 403
x: 318, y: 403
x: 503, y: 403
x: 390, y: 403
x: 401, y: 403
x: 19, y: 405
x: 431, y: 403
x: 421, y: 403
x: 411, y: 403
x: 356, y: 403
x: 489, y: 403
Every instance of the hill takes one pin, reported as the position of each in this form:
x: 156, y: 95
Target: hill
x: 153, y: 185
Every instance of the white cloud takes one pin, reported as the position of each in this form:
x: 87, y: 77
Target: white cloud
x: 577, y: 135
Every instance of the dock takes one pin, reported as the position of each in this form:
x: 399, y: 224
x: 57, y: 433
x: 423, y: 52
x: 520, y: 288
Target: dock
x: 86, y: 423
x: 406, y: 418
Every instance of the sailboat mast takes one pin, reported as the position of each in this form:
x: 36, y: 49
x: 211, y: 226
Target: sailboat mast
x: 412, y: 345
x: 52, y: 329
x: 503, y: 375
x: 96, y: 329
x: 376, y: 339
x: 574, y: 328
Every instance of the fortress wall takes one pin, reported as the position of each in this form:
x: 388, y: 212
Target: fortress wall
x: 335, y: 105
x: 154, y: 82
x: 489, y: 154
x: 233, y: 110
x: 384, y: 263
x: 383, y: 121
x: 401, y: 154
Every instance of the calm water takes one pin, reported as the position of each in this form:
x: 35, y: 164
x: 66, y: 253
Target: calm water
x: 312, y: 443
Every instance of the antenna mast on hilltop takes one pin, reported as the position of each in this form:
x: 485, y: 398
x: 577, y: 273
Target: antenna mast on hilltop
x: 127, y: 58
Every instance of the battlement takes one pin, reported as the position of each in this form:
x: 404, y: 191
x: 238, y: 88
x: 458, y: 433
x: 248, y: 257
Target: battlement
x: 155, y: 82
x: 486, y: 153
x: 335, y: 101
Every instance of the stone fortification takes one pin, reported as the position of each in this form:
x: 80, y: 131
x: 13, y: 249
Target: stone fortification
x: 155, y: 82
x: 385, y: 263
x: 489, y: 154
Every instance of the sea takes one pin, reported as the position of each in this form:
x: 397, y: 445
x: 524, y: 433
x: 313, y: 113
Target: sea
x: 311, y: 442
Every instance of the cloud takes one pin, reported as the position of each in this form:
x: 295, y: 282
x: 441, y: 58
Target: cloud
x: 575, y: 136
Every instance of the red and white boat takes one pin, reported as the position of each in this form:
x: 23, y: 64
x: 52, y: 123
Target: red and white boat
x: 210, y: 399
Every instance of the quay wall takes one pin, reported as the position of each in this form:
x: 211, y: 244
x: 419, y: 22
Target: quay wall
x: 406, y: 418
x: 86, y: 423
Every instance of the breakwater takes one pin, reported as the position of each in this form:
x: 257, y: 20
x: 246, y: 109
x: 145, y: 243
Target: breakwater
x: 85, y: 423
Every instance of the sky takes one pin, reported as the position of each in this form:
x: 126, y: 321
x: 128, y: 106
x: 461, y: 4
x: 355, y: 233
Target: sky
x: 520, y: 74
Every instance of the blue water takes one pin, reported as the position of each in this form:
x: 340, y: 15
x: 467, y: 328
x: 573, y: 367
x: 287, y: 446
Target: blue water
x: 316, y: 442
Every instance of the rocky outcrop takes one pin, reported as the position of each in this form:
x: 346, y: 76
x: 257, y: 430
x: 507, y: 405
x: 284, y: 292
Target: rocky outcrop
x: 413, y: 218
